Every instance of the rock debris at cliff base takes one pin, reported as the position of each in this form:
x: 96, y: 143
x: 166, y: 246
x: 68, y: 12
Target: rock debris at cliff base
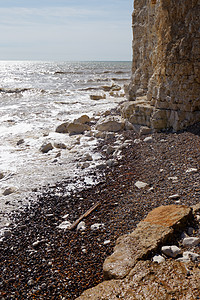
x: 38, y: 260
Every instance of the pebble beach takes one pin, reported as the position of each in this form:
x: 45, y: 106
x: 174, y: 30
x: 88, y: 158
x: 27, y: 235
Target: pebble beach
x: 40, y: 259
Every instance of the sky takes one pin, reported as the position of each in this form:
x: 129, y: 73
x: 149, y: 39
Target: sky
x: 66, y: 30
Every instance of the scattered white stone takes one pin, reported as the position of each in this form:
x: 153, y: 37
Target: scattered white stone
x: 172, y: 251
x: 37, y: 243
x: 141, y: 184
x: 191, y: 170
x: 173, y: 178
x: 97, y: 226
x: 190, y: 255
x: 106, y: 242
x: 198, y: 217
x: 65, y: 225
x: 191, y: 241
x: 151, y: 189
x: 148, y: 139
x: 137, y: 141
x: 178, y: 201
x: 46, y: 147
x: 158, y: 258
x: 81, y: 226
x: 161, y: 170
x: 65, y: 216
x: 175, y: 196
x: 183, y: 259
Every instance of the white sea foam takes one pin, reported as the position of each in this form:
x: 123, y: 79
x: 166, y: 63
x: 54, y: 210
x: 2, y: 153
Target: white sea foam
x: 35, y: 97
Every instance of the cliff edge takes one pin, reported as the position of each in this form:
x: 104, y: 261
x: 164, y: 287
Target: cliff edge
x: 165, y: 84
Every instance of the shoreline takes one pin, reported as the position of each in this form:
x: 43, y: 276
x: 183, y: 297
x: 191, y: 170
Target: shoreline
x: 64, y: 263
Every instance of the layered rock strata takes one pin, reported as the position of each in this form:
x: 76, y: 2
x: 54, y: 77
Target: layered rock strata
x: 165, y: 85
x: 130, y: 271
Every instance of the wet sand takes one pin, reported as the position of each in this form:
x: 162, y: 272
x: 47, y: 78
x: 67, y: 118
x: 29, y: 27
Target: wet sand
x: 63, y: 263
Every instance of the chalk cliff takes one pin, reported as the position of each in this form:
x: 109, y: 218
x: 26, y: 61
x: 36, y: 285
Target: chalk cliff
x: 165, y: 85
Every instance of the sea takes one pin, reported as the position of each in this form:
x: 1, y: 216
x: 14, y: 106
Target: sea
x: 36, y: 97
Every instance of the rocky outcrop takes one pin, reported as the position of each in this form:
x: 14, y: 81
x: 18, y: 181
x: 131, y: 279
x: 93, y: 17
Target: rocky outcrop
x: 132, y: 272
x: 165, y: 85
x: 149, y: 235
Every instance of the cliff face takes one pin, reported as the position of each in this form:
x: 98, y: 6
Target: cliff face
x: 165, y: 85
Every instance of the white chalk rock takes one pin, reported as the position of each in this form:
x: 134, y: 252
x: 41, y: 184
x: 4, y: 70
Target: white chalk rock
x: 137, y: 141
x: 65, y: 225
x: 148, y: 139
x: 183, y: 259
x: 191, y: 241
x: 175, y: 196
x: 171, y: 251
x: 81, y: 226
x: 97, y: 226
x: 158, y: 258
x: 141, y: 184
x: 190, y: 255
x: 191, y: 170
x: 65, y: 216
x: 106, y: 242
x: 173, y: 178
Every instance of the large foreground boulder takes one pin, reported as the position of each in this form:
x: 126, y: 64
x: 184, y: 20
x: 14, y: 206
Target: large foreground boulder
x: 130, y: 271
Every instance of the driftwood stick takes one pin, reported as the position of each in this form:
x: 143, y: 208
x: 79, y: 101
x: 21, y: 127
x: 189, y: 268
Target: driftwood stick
x: 84, y: 215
